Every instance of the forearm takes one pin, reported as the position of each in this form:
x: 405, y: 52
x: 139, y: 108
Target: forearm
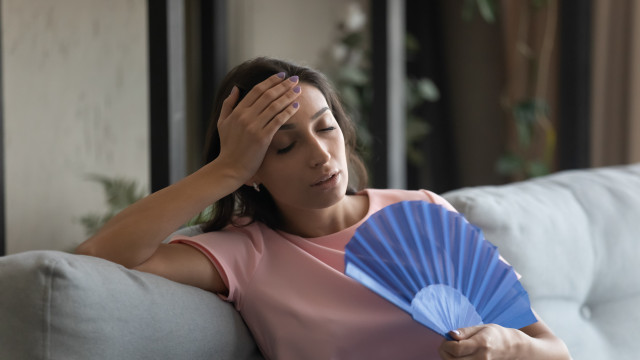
x: 545, y: 346
x: 134, y: 234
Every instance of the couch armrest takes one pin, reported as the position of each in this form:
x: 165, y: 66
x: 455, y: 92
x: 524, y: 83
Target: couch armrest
x: 62, y: 306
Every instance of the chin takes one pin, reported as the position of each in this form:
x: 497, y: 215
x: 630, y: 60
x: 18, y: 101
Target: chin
x: 328, y: 199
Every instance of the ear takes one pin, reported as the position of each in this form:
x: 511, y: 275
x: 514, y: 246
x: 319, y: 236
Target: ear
x: 252, y: 180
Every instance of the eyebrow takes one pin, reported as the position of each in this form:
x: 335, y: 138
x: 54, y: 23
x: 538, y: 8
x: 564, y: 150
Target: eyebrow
x: 316, y: 115
x: 313, y: 117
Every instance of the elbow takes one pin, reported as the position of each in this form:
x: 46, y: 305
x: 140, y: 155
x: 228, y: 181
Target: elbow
x: 85, y: 249
x: 90, y: 248
x: 122, y: 256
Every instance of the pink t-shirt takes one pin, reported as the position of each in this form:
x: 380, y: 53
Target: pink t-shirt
x: 298, y: 303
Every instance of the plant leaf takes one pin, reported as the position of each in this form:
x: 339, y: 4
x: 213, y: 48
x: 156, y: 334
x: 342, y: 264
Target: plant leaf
x: 427, y: 89
x: 119, y: 193
x: 351, y: 98
x: 487, y: 10
x: 353, y: 75
x: 526, y: 114
x: 537, y: 168
x: 510, y: 164
x: 93, y: 222
x: 417, y: 128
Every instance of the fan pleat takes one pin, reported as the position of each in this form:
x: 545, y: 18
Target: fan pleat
x: 433, y: 260
x: 492, y: 261
x: 357, y: 273
x: 459, y: 250
x: 380, y: 268
x: 423, y: 270
x: 437, y: 252
x: 397, y: 266
x: 473, y: 258
x: 435, y: 265
x: 502, y: 282
x: 508, y: 306
x: 447, y: 236
x: 407, y: 254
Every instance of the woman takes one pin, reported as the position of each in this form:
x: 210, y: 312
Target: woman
x: 281, y: 154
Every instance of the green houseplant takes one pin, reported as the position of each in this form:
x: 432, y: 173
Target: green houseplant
x: 348, y: 65
x: 119, y: 193
x: 528, y: 113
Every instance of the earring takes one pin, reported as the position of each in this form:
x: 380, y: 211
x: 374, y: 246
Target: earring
x: 256, y: 187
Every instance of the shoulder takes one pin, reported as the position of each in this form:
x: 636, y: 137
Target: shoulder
x: 244, y: 235
x: 391, y: 196
x: 235, y: 253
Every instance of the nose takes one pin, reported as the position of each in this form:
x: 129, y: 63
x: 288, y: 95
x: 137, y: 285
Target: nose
x: 318, y: 152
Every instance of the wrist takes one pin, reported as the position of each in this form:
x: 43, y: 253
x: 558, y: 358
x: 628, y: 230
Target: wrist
x: 221, y: 178
x: 542, y: 347
x: 523, y: 345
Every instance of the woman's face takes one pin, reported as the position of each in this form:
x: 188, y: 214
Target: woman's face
x: 305, y: 166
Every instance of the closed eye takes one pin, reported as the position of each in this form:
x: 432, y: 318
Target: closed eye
x: 329, y: 128
x: 286, y: 149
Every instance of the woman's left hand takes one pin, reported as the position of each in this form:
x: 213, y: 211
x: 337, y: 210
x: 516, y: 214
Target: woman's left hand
x: 489, y: 341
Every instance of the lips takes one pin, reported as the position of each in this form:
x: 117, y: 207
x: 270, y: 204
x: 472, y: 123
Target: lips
x: 325, y: 178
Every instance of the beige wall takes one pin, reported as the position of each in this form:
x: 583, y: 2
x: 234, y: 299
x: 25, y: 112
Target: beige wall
x: 75, y: 102
x: 76, y: 98
x: 295, y: 30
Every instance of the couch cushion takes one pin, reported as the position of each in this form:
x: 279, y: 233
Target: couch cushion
x: 575, y: 238
x: 62, y: 306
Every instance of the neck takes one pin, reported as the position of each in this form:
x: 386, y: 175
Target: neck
x: 312, y: 223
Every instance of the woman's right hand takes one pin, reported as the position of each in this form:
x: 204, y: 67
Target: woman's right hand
x: 247, y: 130
x: 132, y: 238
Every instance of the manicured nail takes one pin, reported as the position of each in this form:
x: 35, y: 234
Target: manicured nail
x: 296, y: 89
x: 455, y: 332
x: 295, y: 105
x: 294, y: 78
x: 280, y: 75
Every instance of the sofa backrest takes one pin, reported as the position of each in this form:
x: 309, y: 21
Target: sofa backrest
x: 574, y: 236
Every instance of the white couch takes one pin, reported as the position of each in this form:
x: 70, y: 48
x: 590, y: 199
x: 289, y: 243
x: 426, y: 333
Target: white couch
x: 573, y: 236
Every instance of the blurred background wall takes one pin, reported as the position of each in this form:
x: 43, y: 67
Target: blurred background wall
x: 498, y: 90
x: 299, y: 31
x: 75, y: 102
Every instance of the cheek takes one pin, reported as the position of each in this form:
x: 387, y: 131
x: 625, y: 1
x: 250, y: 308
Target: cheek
x: 276, y: 171
x: 341, y: 145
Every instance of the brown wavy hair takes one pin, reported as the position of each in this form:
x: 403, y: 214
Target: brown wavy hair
x: 245, y: 201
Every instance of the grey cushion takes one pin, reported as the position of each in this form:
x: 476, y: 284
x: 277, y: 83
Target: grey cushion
x: 56, y: 305
x: 575, y: 238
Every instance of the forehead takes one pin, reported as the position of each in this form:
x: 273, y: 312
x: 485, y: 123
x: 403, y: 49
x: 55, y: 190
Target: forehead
x: 311, y: 99
x: 312, y: 105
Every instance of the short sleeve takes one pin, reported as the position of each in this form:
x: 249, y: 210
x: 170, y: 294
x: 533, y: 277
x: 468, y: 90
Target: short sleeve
x: 437, y: 199
x: 235, y: 252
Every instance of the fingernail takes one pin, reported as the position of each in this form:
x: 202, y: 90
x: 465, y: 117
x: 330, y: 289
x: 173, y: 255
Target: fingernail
x: 296, y: 89
x: 295, y: 105
x: 280, y: 75
x: 234, y: 90
x: 455, y: 332
x: 294, y: 78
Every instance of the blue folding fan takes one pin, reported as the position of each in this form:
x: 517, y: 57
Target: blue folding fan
x: 436, y: 266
